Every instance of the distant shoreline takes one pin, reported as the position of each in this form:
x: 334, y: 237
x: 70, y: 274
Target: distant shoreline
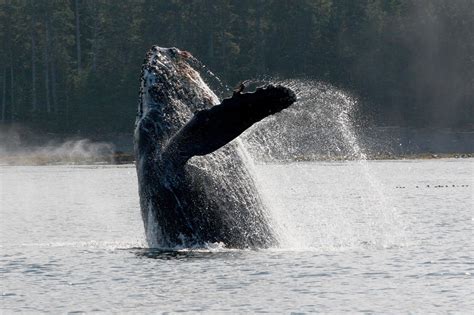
x: 22, y: 146
x: 121, y: 158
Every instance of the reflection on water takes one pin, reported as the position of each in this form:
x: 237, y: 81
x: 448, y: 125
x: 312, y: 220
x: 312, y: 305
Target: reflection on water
x: 186, y: 254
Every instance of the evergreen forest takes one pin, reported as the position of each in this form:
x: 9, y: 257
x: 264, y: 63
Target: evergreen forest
x: 73, y: 66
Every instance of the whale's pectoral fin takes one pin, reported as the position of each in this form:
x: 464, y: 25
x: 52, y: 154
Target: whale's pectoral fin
x: 212, y: 128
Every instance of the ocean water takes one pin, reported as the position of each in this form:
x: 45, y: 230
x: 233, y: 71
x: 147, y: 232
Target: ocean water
x: 379, y: 236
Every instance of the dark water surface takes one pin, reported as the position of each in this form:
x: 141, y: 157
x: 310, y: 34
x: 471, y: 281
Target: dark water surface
x: 372, y: 237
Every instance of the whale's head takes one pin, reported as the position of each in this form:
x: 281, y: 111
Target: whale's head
x: 170, y: 84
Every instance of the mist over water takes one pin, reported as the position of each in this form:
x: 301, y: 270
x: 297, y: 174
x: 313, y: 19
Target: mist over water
x: 20, y: 146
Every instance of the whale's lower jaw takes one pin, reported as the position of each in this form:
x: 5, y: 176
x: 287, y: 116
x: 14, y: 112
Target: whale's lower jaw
x: 194, y: 184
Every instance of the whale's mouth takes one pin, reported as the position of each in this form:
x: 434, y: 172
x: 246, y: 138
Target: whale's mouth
x: 169, y: 76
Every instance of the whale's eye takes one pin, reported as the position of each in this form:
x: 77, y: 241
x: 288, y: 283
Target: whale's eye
x: 173, y: 52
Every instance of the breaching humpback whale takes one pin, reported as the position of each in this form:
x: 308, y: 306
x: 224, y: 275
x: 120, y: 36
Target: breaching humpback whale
x: 194, y: 185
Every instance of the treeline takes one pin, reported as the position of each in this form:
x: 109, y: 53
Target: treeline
x: 73, y: 65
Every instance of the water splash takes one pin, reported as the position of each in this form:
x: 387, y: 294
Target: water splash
x: 321, y: 126
x: 317, y: 127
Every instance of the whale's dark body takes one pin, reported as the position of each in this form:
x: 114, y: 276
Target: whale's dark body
x: 194, y: 185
